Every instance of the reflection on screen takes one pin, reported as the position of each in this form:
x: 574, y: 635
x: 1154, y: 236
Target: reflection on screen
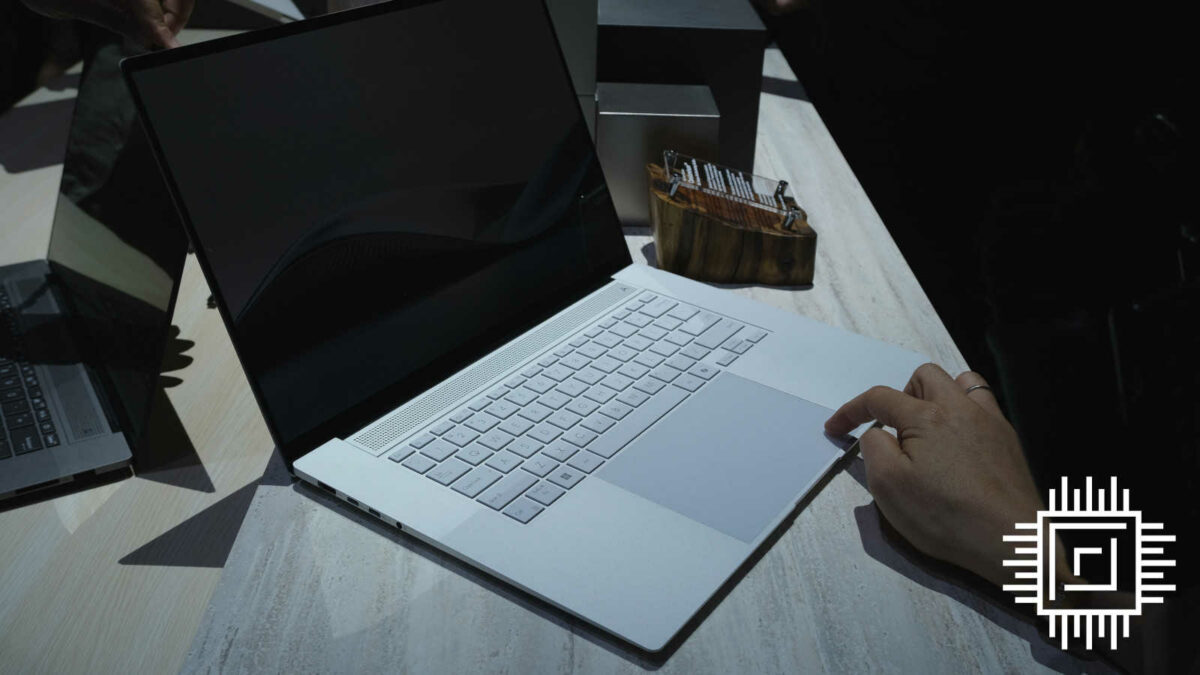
x: 117, y: 247
x: 380, y: 200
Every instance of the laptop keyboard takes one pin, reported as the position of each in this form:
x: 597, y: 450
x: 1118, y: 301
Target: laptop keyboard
x: 27, y: 425
x: 525, y: 443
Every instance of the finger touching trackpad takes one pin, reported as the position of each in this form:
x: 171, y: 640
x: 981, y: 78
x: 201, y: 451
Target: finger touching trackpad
x: 732, y: 456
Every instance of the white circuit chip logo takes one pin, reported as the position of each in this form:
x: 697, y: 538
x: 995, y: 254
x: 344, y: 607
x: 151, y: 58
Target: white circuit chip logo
x: 1121, y: 548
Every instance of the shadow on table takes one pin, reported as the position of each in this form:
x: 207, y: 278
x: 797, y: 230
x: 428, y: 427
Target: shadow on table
x: 642, y: 659
x: 25, y: 141
x: 884, y: 544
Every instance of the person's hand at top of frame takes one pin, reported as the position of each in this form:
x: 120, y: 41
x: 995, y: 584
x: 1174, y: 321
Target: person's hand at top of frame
x: 954, y: 481
x: 151, y: 23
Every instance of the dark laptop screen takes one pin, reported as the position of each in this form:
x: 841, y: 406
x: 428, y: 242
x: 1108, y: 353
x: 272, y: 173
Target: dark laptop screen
x: 117, y: 248
x: 381, y: 196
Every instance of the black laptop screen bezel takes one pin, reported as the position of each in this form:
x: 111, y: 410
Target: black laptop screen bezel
x: 360, y: 415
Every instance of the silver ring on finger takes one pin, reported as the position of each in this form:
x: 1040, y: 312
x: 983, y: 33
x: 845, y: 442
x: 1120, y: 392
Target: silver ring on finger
x: 977, y: 386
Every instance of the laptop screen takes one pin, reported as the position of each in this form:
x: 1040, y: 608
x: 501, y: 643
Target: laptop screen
x: 116, y: 248
x: 380, y: 196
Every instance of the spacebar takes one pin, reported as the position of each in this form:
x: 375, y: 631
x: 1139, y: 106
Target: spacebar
x: 637, y: 421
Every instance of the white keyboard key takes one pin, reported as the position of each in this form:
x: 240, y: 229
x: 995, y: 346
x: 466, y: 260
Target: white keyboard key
x: 616, y: 410
x: 545, y: 493
x: 497, y: 392
x: 539, y: 465
x: 679, y: 338
x: 507, y: 489
x: 726, y: 358
x: 419, y: 463
x: 535, y: 412
x: 606, y: 364
x: 665, y: 373
x: 574, y: 361
x: 564, y: 419
x: 504, y: 461
x: 502, y: 409
x: 400, y: 454
x: 461, y: 415
x: 648, y: 385
x: 664, y: 349
x: 699, y: 323
x: 600, y: 393
x: 681, y: 362
x: 482, y: 422
x: 622, y: 353
x: 633, y: 398
x: 633, y: 306
x: 560, y: 451
x: 525, y: 447
x: 695, y: 351
x: 521, y: 396
x: 442, y: 427
x: 477, y: 481
x: 562, y: 351
x: 653, y: 333
x: 719, y: 333
x: 554, y: 400
x: 623, y: 329
x: 608, y: 340
x: 582, y: 406
x: 592, y: 350
x: 448, y: 472
x: 439, y: 450
x: 589, y: 375
x: 544, y: 433
x: 658, y: 307
x: 632, y: 426
x: 753, y: 334
x: 647, y: 297
x: 565, y: 477
x: 607, y: 322
x: 738, y: 346
x: 585, y: 461
x: 460, y: 436
x: 580, y: 436
x: 667, y: 323
x: 523, y: 510
x: 572, y: 388
x: 703, y: 370
x: 687, y: 381
x: 649, y: 359
x: 633, y: 370
x: 639, y: 320
x: 531, y: 371
x: 683, y: 312
x: 579, y: 341
x: 514, y: 381
x: 516, y: 426
x: 594, y: 331
x: 638, y: 342
x: 617, y: 382
x: 479, y: 403
x: 596, y: 423
x: 473, y: 454
x: 422, y: 440
x: 495, y: 439
x: 540, y: 384
x: 558, y: 373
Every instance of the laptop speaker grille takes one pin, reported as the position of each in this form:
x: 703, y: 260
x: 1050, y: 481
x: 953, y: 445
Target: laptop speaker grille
x: 384, y: 433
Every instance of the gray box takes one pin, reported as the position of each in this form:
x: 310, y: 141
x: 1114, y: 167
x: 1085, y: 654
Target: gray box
x: 636, y: 122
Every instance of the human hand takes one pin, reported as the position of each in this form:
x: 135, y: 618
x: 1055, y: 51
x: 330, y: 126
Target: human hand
x: 151, y: 23
x: 954, y: 481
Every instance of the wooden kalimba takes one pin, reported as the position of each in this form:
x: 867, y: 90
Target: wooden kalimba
x: 713, y: 223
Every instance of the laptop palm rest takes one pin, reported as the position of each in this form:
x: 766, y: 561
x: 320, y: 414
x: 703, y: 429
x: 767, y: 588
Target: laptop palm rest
x: 733, y: 456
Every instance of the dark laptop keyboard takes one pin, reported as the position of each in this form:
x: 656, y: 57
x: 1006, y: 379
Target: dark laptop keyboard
x: 27, y: 425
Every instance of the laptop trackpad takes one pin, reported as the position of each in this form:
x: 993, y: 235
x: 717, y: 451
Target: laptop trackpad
x: 732, y: 456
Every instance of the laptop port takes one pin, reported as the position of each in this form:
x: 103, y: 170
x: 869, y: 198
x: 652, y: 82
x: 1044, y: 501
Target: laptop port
x: 374, y: 512
x: 352, y: 500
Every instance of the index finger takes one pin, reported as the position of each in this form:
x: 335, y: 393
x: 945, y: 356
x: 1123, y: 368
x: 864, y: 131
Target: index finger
x: 880, y: 403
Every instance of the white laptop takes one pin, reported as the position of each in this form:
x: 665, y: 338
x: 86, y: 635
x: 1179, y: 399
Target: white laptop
x: 403, y: 220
